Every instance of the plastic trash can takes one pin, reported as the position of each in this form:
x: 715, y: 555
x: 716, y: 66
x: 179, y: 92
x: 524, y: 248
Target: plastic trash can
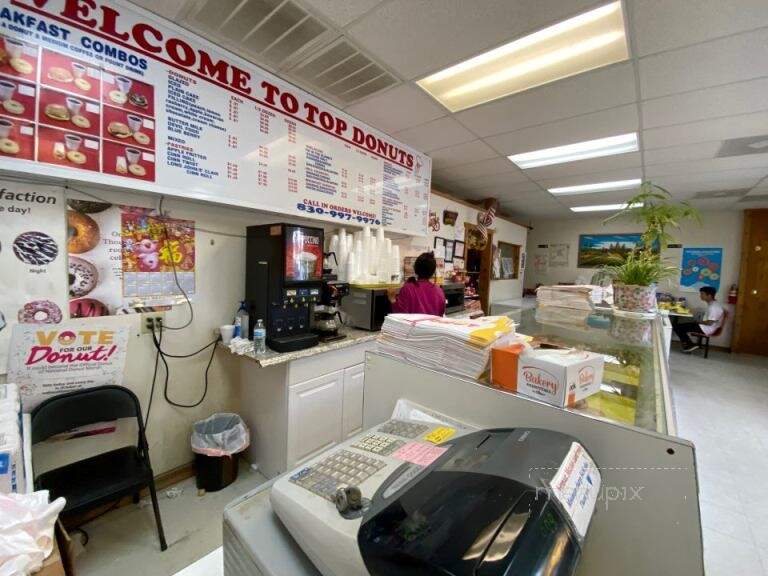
x: 216, y: 442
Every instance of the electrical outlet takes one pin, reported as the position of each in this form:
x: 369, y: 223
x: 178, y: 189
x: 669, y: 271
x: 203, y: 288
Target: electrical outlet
x: 150, y: 321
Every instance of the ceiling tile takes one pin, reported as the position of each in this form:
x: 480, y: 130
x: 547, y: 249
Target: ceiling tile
x: 498, y: 165
x: 169, y: 9
x: 732, y: 99
x: 697, y: 151
x: 416, y: 38
x: 607, y: 176
x: 707, y: 130
x: 501, y: 190
x: 587, y: 127
x: 342, y: 12
x: 668, y: 24
x: 615, y: 197
x: 755, y: 161
x: 727, y: 60
x: 461, y: 154
x: 492, y: 180
x: 705, y: 181
x: 592, y: 166
x: 436, y: 134
x: 401, y: 107
x: 604, y: 88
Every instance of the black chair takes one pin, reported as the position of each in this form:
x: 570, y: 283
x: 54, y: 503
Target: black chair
x: 104, y: 478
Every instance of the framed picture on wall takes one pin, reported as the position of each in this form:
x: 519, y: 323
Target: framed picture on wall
x: 449, y: 248
x: 458, y: 249
x: 439, y: 247
x: 597, y: 250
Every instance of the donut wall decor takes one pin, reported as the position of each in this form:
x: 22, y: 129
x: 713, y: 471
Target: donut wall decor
x: 33, y: 258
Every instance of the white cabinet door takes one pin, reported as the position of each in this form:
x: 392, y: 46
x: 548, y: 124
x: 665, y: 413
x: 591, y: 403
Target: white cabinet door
x: 352, y: 413
x: 314, y: 416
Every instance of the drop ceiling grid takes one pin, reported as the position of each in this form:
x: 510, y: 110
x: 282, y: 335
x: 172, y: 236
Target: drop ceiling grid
x: 691, y: 87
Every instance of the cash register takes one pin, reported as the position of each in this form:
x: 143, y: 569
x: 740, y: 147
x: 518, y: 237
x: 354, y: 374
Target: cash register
x: 410, y: 497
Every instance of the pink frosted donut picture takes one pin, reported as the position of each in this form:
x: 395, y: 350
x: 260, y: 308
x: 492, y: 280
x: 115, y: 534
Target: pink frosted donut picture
x: 87, y: 308
x: 83, y: 277
x: 40, y: 312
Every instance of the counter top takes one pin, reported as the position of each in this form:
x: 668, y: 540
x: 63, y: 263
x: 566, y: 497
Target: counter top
x: 272, y: 358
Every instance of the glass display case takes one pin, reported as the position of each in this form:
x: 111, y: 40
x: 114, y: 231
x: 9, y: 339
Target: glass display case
x: 635, y: 387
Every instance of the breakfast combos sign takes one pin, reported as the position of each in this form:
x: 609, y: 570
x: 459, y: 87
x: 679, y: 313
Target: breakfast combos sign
x: 49, y: 360
x: 99, y: 91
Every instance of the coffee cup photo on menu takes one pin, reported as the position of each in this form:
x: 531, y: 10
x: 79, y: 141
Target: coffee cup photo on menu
x: 68, y: 112
x: 66, y: 73
x: 18, y: 58
x: 17, y: 139
x: 128, y: 127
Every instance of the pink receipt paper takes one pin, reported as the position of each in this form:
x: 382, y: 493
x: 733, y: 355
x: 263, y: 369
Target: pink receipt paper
x: 419, y: 453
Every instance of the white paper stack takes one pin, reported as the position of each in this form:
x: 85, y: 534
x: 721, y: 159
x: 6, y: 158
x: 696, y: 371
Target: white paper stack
x: 580, y: 297
x: 11, y: 455
x: 455, y: 346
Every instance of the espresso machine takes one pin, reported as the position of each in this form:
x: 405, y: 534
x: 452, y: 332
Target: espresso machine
x: 283, y: 281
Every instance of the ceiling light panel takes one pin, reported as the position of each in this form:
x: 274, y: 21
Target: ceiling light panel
x: 610, y: 146
x: 597, y: 187
x: 590, y: 40
x: 602, y: 207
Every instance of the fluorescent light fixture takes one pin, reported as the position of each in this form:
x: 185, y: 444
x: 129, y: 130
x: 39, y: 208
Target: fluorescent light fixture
x: 579, y: 151
x: 597, y: 187
x: 585, y: 42
x: 602, y: 207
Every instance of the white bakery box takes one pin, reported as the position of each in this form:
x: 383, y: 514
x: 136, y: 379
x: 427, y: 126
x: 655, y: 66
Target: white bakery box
x: 559, y: 377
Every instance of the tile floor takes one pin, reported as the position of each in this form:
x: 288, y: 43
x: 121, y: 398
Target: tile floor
x: 721, y: 404
x: 124, y: 542
x: 722, y: 407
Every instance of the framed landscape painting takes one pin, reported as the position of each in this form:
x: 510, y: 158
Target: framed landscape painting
x: 597, y: 250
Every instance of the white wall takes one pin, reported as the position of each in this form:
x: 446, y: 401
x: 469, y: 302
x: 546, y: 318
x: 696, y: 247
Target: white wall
x: 717, y: 229
x: 220, y: 285
x: 506, y: 231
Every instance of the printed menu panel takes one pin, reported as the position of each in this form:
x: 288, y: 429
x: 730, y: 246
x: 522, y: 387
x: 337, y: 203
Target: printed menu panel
x: 113, y: 93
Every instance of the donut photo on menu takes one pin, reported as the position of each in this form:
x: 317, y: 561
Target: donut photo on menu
x: 40, y: 312
x: 83, y: 232
x: 18, y: 58
x: 67, y: 149
x: 128, y: 93
x: 35, y: 248
x: 17, y: 99
x: 70, y: 74
x: 17, y: 139
x: 83, y: 277
x: 70, y: 112
x: 87, y: 308
x: 128, y: 161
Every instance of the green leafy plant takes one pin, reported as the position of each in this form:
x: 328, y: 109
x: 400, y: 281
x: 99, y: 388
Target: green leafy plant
x: 654, y: 207
x: 640, y: 268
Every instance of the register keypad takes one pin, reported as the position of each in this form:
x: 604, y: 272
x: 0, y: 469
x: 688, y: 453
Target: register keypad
x: 403, y: 429
x: 378, y: 444
x: 340, y: 468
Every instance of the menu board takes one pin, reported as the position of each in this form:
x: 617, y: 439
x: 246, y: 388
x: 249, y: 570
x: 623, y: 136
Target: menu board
x: 105, y: 93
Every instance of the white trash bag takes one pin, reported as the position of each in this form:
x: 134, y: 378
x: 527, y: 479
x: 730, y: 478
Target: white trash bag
x: 26, y: 531
x: 220, y: 435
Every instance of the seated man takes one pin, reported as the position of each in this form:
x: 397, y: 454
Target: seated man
x: 713, y: 319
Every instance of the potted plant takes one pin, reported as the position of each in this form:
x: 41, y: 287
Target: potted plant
x: 635, y: 280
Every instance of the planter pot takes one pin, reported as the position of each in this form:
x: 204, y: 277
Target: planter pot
x: 634, y: 298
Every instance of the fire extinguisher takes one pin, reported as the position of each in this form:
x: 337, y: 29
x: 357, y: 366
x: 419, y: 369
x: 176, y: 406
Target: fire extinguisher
x: 733, y: 294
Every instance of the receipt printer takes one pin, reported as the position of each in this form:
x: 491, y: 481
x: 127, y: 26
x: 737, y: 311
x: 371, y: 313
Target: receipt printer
x: 498, y: 502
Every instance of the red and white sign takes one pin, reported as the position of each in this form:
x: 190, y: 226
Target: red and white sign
x: 223, y: 129
x: 576, y: 486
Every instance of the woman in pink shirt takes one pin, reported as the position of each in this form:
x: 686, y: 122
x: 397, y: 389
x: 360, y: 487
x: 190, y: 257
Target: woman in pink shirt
x: 420, y: 295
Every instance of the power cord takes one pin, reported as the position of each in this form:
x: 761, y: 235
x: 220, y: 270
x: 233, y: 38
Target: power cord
x: 154, y: 382
x: 164, y: 355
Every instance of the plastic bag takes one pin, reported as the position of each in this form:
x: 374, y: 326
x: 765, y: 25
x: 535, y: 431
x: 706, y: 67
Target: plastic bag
x: 220, y: 435
x: 26, y: 531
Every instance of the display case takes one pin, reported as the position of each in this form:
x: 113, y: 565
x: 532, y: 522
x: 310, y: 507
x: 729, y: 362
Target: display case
x: 635, y: 387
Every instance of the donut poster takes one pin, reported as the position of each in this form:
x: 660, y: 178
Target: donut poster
x: 700, y: 267
x: 33, y: 258
x: 49, y: 360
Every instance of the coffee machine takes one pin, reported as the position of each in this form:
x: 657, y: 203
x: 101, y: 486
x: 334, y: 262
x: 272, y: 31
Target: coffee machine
x: 327, y: 317
x: 283, y: 281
